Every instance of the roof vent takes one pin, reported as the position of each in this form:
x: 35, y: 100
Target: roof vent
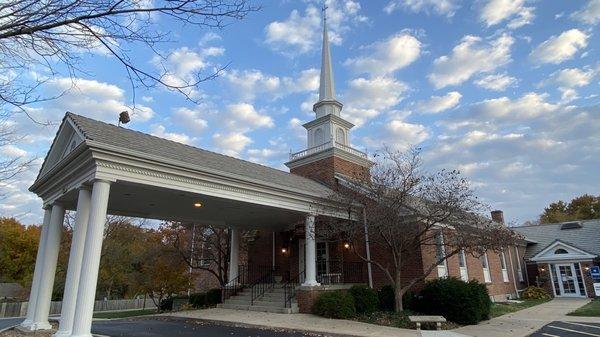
x: 570, y: 225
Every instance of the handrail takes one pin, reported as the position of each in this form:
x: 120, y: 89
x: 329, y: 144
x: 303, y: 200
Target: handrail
x: 234, y: 286
x: 327, y: 145
x: 263, y: 283
x: 289, y: 288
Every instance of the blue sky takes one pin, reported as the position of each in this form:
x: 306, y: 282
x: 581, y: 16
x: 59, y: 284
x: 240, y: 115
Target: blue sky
x: 505, y: 91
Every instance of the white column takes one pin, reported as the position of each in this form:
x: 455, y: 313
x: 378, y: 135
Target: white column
x: 310, y: 252
x: 86, y: 291
x: 74, y: 269
x: 234, y: 254
x: 51, y: 248
x: 37, y: 273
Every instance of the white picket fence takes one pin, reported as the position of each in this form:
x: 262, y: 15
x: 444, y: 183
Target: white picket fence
x: 19, y: 309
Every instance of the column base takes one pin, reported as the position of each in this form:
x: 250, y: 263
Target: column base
x: 311, y: 284
x: 26, y: 324
x: 34, y: 326
x: 83, y: 335
x: 62, y: 333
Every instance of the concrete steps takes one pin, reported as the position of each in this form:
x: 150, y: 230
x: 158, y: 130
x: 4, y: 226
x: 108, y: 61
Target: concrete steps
x: 271, y: 301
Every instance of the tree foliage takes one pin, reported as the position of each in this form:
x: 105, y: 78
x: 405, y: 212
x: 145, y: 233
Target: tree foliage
x: 584, y: 207
x: 18, y: 250
x: 407, y: 211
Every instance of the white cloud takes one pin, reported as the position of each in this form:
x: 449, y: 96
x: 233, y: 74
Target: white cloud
x: 440, y: 103
x: 497, y: 11
x: 249, y: 84
x: 367, y: 98
x: 471, y: 56
x: 559, y: 48
x: 189, y: 119
x: 530, y: 105
x: 398, y: 134
x: 387, y: 56
x: 159, y: 130
x: 12, y: 151
x: 440, y: 7
x: 243, y: 117
x: 300, y: 33
x: 589, y: 14
x: 496, y: 82
x: 232, y: 143
x: 572, y: 77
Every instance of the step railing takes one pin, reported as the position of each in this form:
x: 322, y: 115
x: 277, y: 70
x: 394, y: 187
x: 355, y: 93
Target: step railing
x: 237, y: 284
x: 289, y: 288
x: 340, y: 272
x: 261, y: 285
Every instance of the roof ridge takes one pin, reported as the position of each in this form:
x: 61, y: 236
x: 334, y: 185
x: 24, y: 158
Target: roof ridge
x: 190, y: 146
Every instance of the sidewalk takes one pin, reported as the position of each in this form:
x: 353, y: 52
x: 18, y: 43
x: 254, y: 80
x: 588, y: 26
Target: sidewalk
x: 296, y: 322
x: 525, y: 322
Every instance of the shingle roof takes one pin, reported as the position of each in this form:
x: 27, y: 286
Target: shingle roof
x: 202, y: 159
x: 585, y: 238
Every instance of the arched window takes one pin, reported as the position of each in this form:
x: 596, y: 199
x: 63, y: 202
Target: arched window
x: 561, y: 251
x: 340, y: 136
x: 318, y: 136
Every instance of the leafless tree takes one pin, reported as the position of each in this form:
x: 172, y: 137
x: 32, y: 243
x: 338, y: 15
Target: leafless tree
x: 203, y: 247
x: 413, y: 214
x: 48, y: 37
x: 10, y: 166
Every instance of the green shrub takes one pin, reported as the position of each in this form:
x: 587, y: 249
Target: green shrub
x: 387, y: 299
x: 213, y: 297
x: 166, y: 304
x: 365, y: 299
x: 456, y: 300
x: 198, y: 300
x: 535, y: 293
x: 408, y: 300
x: 335, y: 304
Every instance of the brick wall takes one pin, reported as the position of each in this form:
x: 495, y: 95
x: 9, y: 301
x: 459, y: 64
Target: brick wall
x: 324, y: 170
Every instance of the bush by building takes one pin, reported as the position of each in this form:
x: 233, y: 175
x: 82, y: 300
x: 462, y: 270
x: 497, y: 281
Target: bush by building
x: 535, y: 293
x: 335, y: 304
x: 458, y: 301
x: 386, y: 298
x: 213, y: 297
x: 366, y: 300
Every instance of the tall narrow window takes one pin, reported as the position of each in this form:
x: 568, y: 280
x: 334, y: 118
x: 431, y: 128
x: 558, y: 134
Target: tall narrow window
x: 503, y: 265
x: 462, y: 265
x: 318, y: 137
x: 486, y: 268
x: 340, y: 136
x: 519, y: 270
x: 440, y: 255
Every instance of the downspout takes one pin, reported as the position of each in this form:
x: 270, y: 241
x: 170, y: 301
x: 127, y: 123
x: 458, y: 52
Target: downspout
x: 367, y: 248
x: 273, y: 246
x: 512, y: 269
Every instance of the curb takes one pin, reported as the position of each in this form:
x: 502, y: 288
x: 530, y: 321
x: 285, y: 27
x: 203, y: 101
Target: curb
x: 8, y: 328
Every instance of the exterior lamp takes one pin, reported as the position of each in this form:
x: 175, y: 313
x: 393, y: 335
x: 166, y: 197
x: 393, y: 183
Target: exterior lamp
x: 542, y: 269
x: 283, y: 250
x: 346, y: 245
x: 587, y: 268
x: 197, y: 204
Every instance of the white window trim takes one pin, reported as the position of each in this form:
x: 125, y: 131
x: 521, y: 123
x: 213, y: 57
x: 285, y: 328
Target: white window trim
x: 487, y: 277
x: 442, y: 269
x: 464, y: 272
x: 504, y: 267
x: 519, y: 270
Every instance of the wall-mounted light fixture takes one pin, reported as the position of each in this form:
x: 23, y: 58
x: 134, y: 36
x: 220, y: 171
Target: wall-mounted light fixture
x: 542, y: 269
x: 587, y: 268
x: 283, y: 250
x: 197, y: 204
x: 346, y: 245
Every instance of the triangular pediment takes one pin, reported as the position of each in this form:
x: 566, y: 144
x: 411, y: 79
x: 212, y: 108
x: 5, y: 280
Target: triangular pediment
x: 561, y: 251
x: 67, y: 138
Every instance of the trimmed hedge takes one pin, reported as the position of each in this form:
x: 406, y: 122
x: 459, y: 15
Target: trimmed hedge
x: 387, y: 298
x: 166, y: 304
x: 198, y: 300
x: 213, y: 297
x: 366, y: 300
x: 334, y: 304
x: 535, y: 293
x: 458, y: 301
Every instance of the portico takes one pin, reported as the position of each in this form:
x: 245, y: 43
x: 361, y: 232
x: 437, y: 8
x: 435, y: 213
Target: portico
x: 96, y: 169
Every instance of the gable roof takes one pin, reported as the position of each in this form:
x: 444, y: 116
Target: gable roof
x: 200, y: 159
x: 573, y: 252
x: 542, y: 236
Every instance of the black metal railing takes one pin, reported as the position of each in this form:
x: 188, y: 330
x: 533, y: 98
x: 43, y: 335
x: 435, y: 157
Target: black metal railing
x: 338, y: 272
x: 237, y: 284
x: 261, y: 285
x: 289, y: 288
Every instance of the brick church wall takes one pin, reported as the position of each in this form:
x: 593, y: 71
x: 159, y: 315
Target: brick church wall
x: 324, y: 170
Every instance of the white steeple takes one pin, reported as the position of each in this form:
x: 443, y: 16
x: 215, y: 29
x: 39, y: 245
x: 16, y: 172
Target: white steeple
x: 327, y: 103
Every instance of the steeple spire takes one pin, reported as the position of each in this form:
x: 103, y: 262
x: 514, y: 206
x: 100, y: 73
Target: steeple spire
x: 327, y: 103
x: 327, y: 88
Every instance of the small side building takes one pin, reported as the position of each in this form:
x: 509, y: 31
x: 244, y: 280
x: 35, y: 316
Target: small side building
x: 559, y: 256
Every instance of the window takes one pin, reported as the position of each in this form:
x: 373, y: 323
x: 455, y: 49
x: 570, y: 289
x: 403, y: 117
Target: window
x: 560, y: 251
x: 340, y: 136
x: 503, y: 265
x: 318, y: 137
x: 462, y: 266
x: 486, y: 269
x: 519, y: 270
x: 440, y: 255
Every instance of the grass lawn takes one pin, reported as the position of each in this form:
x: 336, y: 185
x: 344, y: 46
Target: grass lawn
x: 591, y: 309
x: 124, y: 314
x: 499, y: 309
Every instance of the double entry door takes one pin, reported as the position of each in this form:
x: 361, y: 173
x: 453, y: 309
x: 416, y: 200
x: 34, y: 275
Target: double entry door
x: 567, y: 280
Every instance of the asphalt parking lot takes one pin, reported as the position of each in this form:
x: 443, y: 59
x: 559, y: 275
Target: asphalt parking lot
x: 568, y: 329
x: 181, y: 327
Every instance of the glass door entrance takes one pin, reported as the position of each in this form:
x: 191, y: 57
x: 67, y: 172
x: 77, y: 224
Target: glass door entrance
x: 567, y: 280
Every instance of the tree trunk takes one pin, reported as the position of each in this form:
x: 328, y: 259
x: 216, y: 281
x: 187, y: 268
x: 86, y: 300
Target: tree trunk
x: 398, y: 293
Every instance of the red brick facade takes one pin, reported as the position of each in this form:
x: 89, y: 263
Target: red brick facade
x: 324, y: 170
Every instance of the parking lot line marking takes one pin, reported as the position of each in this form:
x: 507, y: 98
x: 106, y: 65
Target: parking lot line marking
x: 586, y: 325
x: 571, y: 330
x: 549, y: 335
